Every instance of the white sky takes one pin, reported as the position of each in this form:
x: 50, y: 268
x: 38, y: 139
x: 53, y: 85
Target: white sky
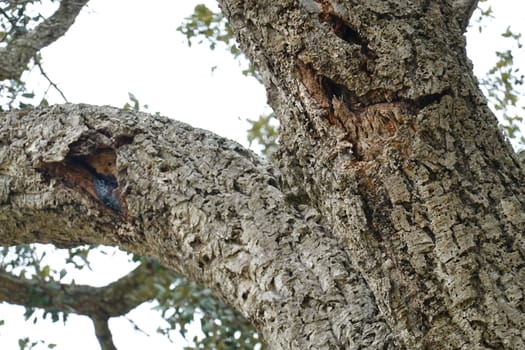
x: 119, y: 46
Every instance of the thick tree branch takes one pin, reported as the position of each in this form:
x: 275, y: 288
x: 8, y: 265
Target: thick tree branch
x: 15, y: 57
x: 98, y: 303
x: 201, y: 204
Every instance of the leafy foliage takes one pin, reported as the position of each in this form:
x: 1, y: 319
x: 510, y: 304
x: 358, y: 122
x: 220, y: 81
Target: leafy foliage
x: 17, y: 17
x: 264, y: 131
x: 29, y: 261
x: 502, y: 84
x: 133, y: 103
x: 204, y: 25
x: 223, y: 328
x: 27, y: 344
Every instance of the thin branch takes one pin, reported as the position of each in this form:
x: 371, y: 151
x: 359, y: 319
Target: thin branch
x: 136, y: 327
x: 9, y: 18
x: 51, y: 83
x: 103, y: 333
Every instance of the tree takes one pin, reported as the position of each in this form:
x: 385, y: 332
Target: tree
x: 393, y: 218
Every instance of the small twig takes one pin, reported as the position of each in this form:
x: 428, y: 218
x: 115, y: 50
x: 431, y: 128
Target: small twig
x: 51, y: 83
x: 13, y: 23
x: 136, y: 327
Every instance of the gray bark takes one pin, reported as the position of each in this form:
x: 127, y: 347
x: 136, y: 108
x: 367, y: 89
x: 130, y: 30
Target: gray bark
x: 463, y: 10
x: 201, y: 204
x: 385, y: 132
x: 396, y: 218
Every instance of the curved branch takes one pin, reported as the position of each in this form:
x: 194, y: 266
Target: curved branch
x: 201, y: 204
x: 15, y: 57
x: 98, y: 303
x: 115, y: 299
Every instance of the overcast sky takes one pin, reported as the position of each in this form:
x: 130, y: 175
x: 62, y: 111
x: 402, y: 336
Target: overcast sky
x: 119, y: 46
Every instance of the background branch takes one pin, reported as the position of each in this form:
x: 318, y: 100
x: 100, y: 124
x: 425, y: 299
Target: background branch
x: 115, y: 299
x: 103, y: 333
x: 16, y: 56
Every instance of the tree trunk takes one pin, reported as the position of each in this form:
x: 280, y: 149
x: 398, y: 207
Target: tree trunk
x: 396, y: 219
x: 385, y: 132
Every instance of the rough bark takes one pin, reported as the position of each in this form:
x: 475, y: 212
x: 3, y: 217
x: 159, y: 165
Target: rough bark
x: 463, y: 10
x: 385, y: 132
x: 201, y: 204
x: 397, y: 217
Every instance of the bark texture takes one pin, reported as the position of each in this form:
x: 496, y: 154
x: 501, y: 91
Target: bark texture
x: 201, y: 204
x: 396, y: 218
x: 385, y: 132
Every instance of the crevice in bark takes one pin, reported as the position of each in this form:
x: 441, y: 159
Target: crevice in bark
x: 344, y: 30
x: 429, y: 233
x: 122, y: 140
x: 427, y: 100
x: 323, y: 90
x: 369, y: 122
